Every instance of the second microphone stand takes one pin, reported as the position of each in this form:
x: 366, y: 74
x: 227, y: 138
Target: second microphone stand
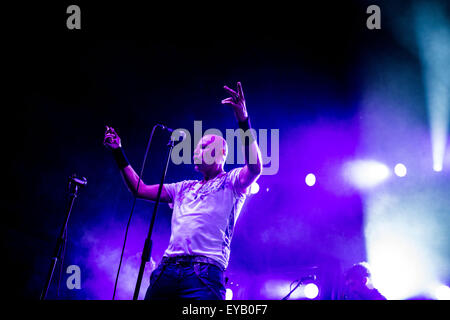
x: 74, y: 186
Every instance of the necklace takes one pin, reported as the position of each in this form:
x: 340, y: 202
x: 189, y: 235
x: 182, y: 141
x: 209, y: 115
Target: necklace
x: 203, y: 183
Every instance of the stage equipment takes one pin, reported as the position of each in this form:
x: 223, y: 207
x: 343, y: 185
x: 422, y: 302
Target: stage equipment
x: 74, y: 185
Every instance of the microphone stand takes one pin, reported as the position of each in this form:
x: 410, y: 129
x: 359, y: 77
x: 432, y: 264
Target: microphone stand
x: 146, y: 252
x: 301, y: 281
x: 289, y: 294
x: 74, y: 186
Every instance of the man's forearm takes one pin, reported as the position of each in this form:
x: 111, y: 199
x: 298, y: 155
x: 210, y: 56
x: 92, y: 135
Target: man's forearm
x: 252, y: 154
x: 147, y: 192
x: 131, y: 178
x: 253, y: 158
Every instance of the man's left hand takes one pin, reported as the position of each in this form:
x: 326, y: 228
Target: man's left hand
x: 237, y: 101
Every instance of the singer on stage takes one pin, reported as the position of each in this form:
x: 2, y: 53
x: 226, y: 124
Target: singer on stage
x: 204, y: 212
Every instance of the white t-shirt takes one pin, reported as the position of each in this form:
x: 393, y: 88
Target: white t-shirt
x: 204, y: 216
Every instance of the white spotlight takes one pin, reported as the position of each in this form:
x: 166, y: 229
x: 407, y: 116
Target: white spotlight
x: 311, y: 291
x: 365, y: 174
x: 254, y: 188
x: 228, y: 294
x: 400, y: 170
x: 442, y: 292
x: 310, y: 179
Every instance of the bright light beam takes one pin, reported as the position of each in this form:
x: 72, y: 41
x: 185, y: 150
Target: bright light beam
x: 365, y: 174
x: 432, y: 32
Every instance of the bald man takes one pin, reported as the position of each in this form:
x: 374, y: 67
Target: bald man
x: 204, y: 212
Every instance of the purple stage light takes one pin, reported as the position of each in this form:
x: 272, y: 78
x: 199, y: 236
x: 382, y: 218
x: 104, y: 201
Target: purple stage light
x: 310, y: 179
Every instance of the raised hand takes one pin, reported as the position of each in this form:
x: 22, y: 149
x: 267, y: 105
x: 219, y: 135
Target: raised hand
x: 112, y: 139
x: 237, y: 101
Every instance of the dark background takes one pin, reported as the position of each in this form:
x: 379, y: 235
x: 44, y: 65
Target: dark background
x: 133, y: 65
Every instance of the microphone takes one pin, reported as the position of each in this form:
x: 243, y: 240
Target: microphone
x: 165, y: 127
x: 181, y: 133
x: 80, y: 182
x: 74, y: 183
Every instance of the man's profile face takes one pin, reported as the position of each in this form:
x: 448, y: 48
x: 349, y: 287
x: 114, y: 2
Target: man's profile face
x: 210, y: 150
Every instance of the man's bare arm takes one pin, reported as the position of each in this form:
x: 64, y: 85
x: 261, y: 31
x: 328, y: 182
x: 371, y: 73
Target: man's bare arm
x: 130, y: 177
x: 146, y: 192
x: 253, y: 165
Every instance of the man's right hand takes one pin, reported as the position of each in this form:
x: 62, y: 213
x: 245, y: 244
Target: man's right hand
x: 112, y: 139
x: 131, y: 178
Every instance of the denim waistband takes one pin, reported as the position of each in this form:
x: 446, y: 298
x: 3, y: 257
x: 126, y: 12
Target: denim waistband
x: 191, y: 259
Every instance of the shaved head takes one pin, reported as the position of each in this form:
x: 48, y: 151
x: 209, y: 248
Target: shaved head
x: 210, y: 150
x: 217, y: 142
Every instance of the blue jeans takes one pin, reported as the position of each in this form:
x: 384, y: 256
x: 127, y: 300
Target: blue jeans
x: 186, y: 280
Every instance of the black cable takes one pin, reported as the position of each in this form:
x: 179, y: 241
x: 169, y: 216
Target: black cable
x: 132, y: 207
